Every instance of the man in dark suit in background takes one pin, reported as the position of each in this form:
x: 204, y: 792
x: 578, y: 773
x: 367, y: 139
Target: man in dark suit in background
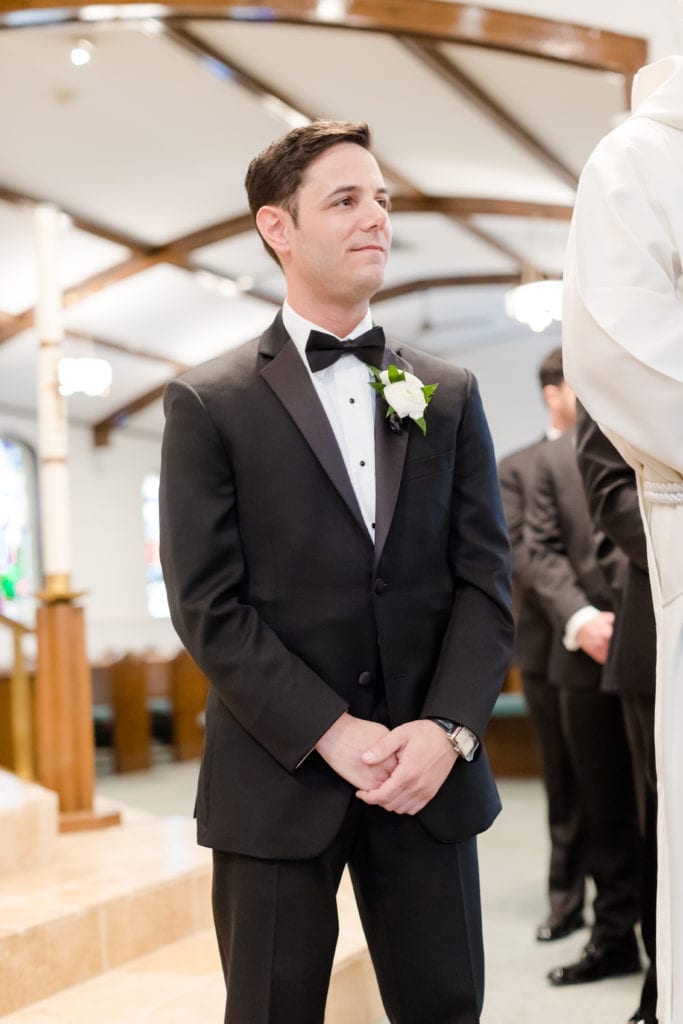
x: 342, y: 578
x: 610, y: 487
x: 533, y: 642
x: 578, y: 592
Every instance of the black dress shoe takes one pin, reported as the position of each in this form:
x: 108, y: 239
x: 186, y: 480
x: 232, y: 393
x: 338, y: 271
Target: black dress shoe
x: 596, y: 963
x: 552, y: 929
x: 640, y: 1018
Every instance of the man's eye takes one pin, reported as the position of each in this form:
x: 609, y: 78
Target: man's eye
x: 346, y: 201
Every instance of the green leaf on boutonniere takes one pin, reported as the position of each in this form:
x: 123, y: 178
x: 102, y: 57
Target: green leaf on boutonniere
x: 407, y: 392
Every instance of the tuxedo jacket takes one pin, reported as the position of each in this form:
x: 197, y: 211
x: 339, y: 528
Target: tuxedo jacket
x: 280, y: 595
x: 534, y: 630
x: 573, y: 564
x: 610, y: 487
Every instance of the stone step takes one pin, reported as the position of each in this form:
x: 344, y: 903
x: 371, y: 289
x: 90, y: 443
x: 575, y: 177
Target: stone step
x: 105, y: 898
x: 182, y: 983
x: 28, y: 825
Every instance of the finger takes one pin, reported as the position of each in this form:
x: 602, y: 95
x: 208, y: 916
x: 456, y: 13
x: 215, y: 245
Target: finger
x: 384, y: 748
x: 368, y: 796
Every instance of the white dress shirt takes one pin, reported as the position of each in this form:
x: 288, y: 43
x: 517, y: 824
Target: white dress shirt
x: 349, y: 403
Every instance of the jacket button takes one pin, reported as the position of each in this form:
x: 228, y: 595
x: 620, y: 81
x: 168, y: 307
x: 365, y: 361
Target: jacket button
x: 380, y: 586
x: 365, y: 679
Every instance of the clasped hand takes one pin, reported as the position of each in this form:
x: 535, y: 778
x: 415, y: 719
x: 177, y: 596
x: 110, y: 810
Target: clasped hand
x: 399, y: 769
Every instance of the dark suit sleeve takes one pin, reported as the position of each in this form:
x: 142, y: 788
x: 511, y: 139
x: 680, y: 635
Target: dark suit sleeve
x: 275, y: 697
x: 513, y: 495
x: 554, y: 578
x: 477, y: 645
x: 610, y: 486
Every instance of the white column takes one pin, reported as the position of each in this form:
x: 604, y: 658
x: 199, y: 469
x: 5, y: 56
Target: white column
x: 52, y: 413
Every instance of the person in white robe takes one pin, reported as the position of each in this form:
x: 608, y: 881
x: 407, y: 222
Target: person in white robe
x: 623, y: 355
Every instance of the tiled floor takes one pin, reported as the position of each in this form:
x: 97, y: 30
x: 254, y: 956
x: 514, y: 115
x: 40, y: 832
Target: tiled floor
x: 182, y: 984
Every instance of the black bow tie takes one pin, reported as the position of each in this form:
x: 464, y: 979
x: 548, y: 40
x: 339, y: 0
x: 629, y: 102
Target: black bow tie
x: 322, y: 350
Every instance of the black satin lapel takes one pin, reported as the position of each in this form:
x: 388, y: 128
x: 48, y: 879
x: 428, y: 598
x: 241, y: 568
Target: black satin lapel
x: 287, y: 376
x: 390, y: 455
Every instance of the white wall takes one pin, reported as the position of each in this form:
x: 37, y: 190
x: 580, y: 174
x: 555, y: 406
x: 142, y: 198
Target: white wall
x: 107, y: 539
x: 507, y: 374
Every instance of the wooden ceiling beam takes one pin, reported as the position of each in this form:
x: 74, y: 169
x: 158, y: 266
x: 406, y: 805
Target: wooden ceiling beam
x: 446, y: 281
x: 174, y: 252
x: 446, y: 20
x: 472, y: 206
x: 128, y: 350
x: 276, y: 100
x: 177, y: 251
x: 495, y: 243
x: 446, y: 69
x: 102, y: 430
x: 79, y: 292
x: 136, y: 245
x: 293, y: 113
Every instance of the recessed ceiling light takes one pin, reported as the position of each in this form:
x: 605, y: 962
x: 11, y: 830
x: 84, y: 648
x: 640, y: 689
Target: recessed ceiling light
x: 81, y: 52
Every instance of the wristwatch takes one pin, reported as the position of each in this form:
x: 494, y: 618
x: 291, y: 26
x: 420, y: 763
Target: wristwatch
x: 460, y: 738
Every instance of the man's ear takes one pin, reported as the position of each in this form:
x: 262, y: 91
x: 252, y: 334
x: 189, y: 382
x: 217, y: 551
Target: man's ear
x: 273, y: 224
x: 551, y: 394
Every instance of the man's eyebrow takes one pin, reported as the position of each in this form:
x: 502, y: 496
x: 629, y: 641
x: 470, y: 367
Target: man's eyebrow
x: 354, y: 188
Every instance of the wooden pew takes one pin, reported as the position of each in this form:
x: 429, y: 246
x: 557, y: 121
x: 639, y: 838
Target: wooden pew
x: 137, y: 697
x: 510, y: 738
x: 189, y: 687
x: 131, y: 723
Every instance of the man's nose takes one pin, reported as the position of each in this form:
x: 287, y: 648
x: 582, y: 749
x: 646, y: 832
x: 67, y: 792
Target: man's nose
x: 374, y: 216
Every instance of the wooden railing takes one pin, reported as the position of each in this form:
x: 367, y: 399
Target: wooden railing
x: 20, y: 704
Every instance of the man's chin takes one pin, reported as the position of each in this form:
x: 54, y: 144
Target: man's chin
x: 371, y: 282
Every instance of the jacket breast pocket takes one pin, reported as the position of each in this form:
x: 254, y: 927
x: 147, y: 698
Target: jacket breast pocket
x: 431, y: 465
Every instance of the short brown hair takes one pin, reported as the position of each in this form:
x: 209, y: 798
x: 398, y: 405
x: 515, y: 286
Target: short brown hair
x: 550, y: 371
x: 275, y: 175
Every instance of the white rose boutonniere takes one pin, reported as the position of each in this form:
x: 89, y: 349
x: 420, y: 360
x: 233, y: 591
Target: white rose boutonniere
x: 405, y: 395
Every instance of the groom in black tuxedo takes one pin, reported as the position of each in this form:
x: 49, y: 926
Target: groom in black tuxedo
x: 342, y: 578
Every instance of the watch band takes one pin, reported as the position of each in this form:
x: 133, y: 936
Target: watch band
x: 461, y: 739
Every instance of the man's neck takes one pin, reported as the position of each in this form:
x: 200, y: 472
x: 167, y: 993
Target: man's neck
x: 338, y: 320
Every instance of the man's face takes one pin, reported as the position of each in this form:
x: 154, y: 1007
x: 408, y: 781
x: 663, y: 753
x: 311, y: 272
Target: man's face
x: 567, y: 400
x: 338, y: 248
x: 561, y: 402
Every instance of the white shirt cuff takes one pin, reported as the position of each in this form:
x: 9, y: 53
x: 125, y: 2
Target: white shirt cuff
x: 574, y: 624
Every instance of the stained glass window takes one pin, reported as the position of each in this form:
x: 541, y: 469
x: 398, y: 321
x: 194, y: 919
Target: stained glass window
x: 157, y: 603
x: 18, y: 562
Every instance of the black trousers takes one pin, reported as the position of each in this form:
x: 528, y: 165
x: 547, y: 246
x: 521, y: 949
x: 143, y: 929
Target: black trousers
x: 594, y: 728
x: 639, y: 717
x: 419, y: 903
x: 566, y: 874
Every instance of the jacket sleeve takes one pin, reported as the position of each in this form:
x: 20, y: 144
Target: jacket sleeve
x: 513, y: 494
x: 275, y: 697
x: 554, y: 578
x: 477, y: 644
x: 610, y: 487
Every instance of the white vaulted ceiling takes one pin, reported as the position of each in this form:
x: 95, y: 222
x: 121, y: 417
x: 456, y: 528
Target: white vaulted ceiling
x: 146, y: 147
